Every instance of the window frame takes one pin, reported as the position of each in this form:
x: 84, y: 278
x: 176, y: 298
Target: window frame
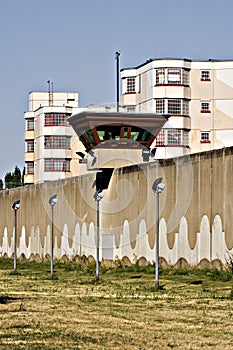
x: 131, y: 85
x: 55, y: 119
x: 162, y: 76
x: 30, y: 124
x: 161, y: 138
x: 203, y: 73
x: 204, y: 139
x: 203, y: 108
x: 30, y: 167
x: 30, y: 146
x: 166, y: 138
x: 130, y: 108
x: 163, y: 105
x: 174, y: 72
x: 185, y: 77
x: 57, y: 165
x: 57, y: 142
x: 174, y: 106
x: 160, y: 106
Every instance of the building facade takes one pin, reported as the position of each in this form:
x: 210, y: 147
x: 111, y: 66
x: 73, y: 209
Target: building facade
x: 197, y: 94
x: 50, y: 142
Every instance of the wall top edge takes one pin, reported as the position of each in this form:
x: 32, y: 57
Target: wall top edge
x: 225, y: 151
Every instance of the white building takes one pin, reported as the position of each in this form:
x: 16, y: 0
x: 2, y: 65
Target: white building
x: 197, y: 94
x: 51, y: 143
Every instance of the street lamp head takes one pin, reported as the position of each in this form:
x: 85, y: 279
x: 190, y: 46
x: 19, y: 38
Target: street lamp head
x: 53, y: 200
x: 16, y: 205
x: 117, y: 54
x: 98, y: 195
x: 158, y: 186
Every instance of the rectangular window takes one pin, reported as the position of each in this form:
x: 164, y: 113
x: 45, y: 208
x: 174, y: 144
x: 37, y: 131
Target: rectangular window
x: 205, y: 137
x: 30, y: 167
x: 185, y: 105
x: 185, y: 141
x: 160, y: 76
x: 30, y: 124
x: 62, y: 142
x: 174, y: 106
x: 130, y: 85
x: 174, y: 76
x: 173, y: 137
x: 53, y: 119
x: 160, y: 106
x: 185, y: 77
x: 131, y: 108
x: 160, y: 139
x: 57, y: 164
x: 30, y: 145
x: 205, y: 107
x: 205, y: 75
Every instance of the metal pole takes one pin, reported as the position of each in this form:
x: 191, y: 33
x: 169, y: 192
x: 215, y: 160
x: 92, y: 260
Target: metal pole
x: 97, y: 238
x: 157, y: 243
x: 117, y: 79
x: 51, y: 260
x: 15, y: 242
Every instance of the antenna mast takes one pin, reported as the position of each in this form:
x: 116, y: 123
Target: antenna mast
x: 50, y: 91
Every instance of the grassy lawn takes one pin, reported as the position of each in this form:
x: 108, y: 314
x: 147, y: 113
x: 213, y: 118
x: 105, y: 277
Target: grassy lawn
x: 192, y: 310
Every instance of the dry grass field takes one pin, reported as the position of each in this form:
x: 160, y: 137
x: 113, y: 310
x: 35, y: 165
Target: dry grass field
x: 192, y: 310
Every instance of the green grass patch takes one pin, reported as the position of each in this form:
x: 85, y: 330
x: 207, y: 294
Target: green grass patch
x: 123, y: 310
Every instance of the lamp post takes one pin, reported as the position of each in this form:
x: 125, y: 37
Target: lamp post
x: 15, y: 206
x: 157, y: 187
x: 52, y: 202
x: 117, y: 56
x: 98, y: 196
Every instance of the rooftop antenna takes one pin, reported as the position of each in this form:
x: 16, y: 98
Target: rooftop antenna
x: 50, y: 91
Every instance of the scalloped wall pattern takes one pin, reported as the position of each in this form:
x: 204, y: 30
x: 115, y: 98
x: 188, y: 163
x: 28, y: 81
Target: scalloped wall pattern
x: 195, y: 222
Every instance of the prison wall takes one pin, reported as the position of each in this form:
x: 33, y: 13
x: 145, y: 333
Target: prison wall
x: 195, y: 213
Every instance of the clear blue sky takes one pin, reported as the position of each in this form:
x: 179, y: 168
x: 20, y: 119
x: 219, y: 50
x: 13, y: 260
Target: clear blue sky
x: 73, y: 43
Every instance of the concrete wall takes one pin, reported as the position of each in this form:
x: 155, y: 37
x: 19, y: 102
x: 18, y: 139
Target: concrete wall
x: 196, y: 213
